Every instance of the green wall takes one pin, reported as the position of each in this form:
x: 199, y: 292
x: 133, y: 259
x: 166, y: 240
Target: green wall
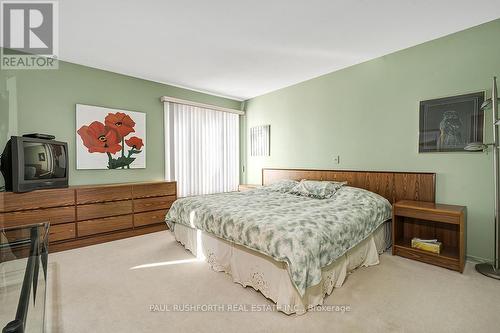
x: 368, y: 114
x: 46, y: 104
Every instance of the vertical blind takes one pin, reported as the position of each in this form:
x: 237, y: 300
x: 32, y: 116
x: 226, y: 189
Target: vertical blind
x: 202, y: 149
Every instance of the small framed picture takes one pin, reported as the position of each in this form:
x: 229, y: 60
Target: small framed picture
x: 449, y: 124
x: 260, y: 140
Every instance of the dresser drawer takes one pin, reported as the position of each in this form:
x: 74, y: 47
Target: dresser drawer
x: 154, y: 190
x: 154, y: 217
x: 10, y: 236
x: 17, y: 234
x: 62, y: 231
x: 106, y: 209
x: 52, y: 215
x: 427, y: 215
x: 85, y: 195
x: 10, y: 201
x: 149, y: 204
x: 91, y: 227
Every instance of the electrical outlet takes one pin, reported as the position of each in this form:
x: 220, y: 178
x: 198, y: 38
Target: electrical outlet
x: 336, y: 159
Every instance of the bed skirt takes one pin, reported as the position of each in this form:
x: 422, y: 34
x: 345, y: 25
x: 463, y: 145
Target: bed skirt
x: 270, y: 277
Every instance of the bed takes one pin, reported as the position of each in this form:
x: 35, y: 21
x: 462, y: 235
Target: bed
x: 293, y: 249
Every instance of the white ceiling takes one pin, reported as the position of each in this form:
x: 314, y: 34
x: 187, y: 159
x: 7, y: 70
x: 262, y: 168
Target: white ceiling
x: 242, y: 49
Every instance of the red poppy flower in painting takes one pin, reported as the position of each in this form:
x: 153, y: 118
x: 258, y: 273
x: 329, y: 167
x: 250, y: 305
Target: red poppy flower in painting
x: 99, y: 138
x: 121, y: 123
x: 134, y: 142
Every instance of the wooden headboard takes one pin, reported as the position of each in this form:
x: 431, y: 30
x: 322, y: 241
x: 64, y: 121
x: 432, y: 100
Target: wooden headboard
x: 393, y: 186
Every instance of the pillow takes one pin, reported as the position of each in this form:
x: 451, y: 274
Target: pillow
x: 317, y: 189
x: 283, y: 186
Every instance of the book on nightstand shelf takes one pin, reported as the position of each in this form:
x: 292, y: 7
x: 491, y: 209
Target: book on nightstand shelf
x: 429, y: 245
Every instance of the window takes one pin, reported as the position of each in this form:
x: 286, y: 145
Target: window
x: 202, y: 149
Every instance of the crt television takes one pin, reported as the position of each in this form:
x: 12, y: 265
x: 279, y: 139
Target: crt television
x: 33, y: 163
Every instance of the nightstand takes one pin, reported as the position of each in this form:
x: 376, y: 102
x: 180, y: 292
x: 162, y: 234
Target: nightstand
x: 246, y: 187
x: 428, y: 220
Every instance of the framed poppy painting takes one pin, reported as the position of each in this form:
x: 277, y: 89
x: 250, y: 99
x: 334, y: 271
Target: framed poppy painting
x: 110, y: 138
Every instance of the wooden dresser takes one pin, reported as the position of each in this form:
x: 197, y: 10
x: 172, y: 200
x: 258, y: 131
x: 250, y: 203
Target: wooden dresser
x: 86, y: 215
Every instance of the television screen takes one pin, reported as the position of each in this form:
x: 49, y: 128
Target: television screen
x: 44, y: 160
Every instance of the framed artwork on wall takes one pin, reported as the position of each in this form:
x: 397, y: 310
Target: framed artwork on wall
x: 449, y: 124
x: 260, y: 140
x: 109, y: 138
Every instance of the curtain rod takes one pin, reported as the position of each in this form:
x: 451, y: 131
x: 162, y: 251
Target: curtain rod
x: 165, y: 99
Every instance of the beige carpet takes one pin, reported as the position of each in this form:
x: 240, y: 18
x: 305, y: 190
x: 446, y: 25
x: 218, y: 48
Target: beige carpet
x: 94, y: 289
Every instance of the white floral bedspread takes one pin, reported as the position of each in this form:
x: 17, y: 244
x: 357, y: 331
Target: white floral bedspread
x: 308, y: 234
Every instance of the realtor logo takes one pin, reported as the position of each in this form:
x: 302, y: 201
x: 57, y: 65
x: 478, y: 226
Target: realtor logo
x: 29, y: 36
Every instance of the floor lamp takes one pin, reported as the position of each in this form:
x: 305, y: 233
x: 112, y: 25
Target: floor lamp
x: 492, y: 270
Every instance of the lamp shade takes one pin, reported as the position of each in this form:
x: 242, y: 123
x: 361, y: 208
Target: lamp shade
x: 487, y: 103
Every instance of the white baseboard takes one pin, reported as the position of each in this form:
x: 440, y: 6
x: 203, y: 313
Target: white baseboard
x: 475, y: 260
